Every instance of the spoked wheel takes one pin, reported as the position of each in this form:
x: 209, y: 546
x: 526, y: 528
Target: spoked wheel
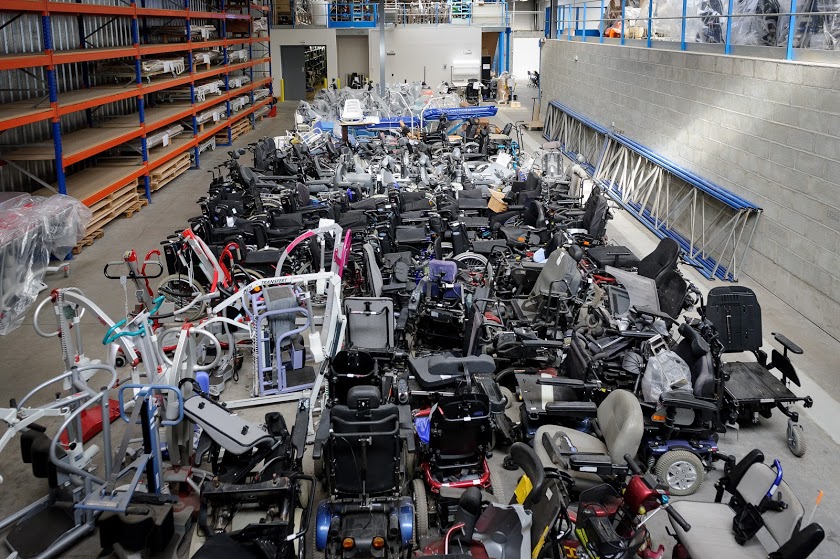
x: 181, y: 290
x: 682, y: 471
x: 421, y: 511
x: 796, y: 439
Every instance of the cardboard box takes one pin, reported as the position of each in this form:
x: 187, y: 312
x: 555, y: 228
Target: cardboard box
x: 496, y: 202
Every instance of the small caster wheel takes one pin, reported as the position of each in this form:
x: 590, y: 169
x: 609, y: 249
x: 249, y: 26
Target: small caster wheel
x: 796, y: 439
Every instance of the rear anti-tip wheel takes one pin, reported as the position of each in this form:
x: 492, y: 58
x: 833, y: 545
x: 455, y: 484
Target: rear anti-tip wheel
x: 682, y: 471
x: 796, y: 439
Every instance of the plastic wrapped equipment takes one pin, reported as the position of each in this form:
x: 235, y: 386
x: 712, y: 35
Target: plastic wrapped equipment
x: 664, y: 371
x: 33, y: 228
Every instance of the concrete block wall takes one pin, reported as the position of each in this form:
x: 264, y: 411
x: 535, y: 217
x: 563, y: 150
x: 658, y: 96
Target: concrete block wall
x: 767, y: 130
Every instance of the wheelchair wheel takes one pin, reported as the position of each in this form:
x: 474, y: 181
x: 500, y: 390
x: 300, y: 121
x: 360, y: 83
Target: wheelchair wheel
x: 310, y: 543
x: 498, y: 488
x: 682, y: 471
x: 421, y: 511
x: 796, y: 439
x: 181, y: 290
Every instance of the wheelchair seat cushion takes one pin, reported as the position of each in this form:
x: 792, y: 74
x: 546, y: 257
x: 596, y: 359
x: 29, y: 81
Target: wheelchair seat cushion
x: 406, y: 234
x: 486, y: 248
x: 439, y: 371
x: 262, y: 257
x: 616, y: 256
x: 581, y: 441
x: 711, y: 532
x: 472, y: 203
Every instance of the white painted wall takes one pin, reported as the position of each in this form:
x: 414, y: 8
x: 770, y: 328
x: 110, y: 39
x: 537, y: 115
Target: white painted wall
x: 353, y: 55
x: 436, y: 48
x: 280, y: 37
x: 526, y: 57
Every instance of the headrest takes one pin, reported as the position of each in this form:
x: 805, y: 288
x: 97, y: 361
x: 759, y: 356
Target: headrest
x: 699, y: 346
x: 443, y: 269
x: 575, y: 252
x: 363, y: 397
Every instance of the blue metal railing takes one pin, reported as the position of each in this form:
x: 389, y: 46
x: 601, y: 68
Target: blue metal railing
x: 365, y: 14
x: 716, y: 22
x: 361, y: 14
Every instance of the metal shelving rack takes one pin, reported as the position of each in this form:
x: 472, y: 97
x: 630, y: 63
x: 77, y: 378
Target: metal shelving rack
x: 74, y: 153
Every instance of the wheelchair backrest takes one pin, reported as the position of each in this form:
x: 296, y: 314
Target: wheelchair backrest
x: 622, y: 423
x: 460, y: 428
x: 736, y: 315
x: 754, y: 486
x: 595, y: 215
x: 662, y: 259
x: 374, y: 274
x: 364, y: 445
x: 694, y: 350
x: 348, y: 369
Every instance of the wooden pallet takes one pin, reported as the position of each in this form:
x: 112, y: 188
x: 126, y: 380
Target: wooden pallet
x: 237, y: 129
x: 113, y: 205
x: 166, y: 173
x: 129, y: 212
x: 88, y: 240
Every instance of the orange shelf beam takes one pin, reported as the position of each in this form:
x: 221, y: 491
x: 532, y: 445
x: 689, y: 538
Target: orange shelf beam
x: 88, y: 55
x: 22, y: 6
x: 23, y: 60
x: 90, y: 9
x: 13, y: 122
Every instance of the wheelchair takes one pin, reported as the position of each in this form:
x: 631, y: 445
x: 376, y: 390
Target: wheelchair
x: 245, y: 512
x: 458, y: 421
x: 751, y: 390
x: 363, y: 445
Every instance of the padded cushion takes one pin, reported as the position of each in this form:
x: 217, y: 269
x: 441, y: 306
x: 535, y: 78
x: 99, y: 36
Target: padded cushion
x: 622, y: 423
x: 438, y: 371
x: 363, y: 393
x: 663, y: 258
x: 711, y: 532
x: 581, y: 441
x: 406, y: 234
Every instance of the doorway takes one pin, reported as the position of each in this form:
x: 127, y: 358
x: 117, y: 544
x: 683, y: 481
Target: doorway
x: 304, y: 70
x: 353, y: 60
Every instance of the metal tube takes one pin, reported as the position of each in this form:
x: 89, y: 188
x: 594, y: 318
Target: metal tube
x: 728, y: 48
x: 682, y: 26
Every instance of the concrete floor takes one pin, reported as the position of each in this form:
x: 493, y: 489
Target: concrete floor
x: 29, y: 359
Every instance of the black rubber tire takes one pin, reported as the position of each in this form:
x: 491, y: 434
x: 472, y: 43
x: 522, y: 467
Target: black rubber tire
x: 687, y: 458
x: 421, y: 511
x: 796, y: 440
x: 318, y: 468
x: 498, y: 487
x: 310, y: 541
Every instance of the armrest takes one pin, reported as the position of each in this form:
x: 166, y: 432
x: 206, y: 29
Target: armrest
x: 788, y: 345
x: 592, y: 463
x: 322, y: 434
x: 407, y: 428
x: 684, y: 399
x: 647, y: 311
x: 300, y: 429
x: 572, y: 409
x: 549, y: 344
x: 564, y: 382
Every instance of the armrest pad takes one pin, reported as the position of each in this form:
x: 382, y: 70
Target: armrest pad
x: 650, y: 312
x: 684, y: 399
x: 591, y: 463
x: 407, y: 427
x: 789, y: 345
x: 550, y: 344
x: 321, y: 434
x: 572, y: 409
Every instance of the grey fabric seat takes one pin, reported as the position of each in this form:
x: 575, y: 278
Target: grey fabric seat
x: 711, y: 532
x: 620, y: 420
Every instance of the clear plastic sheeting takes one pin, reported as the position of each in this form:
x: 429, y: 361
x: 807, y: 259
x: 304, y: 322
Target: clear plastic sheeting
x: 32, y: 229
x: 764, y: 26
x: 820, y: 30
x: 402, y: 99
x: 664, y: 371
